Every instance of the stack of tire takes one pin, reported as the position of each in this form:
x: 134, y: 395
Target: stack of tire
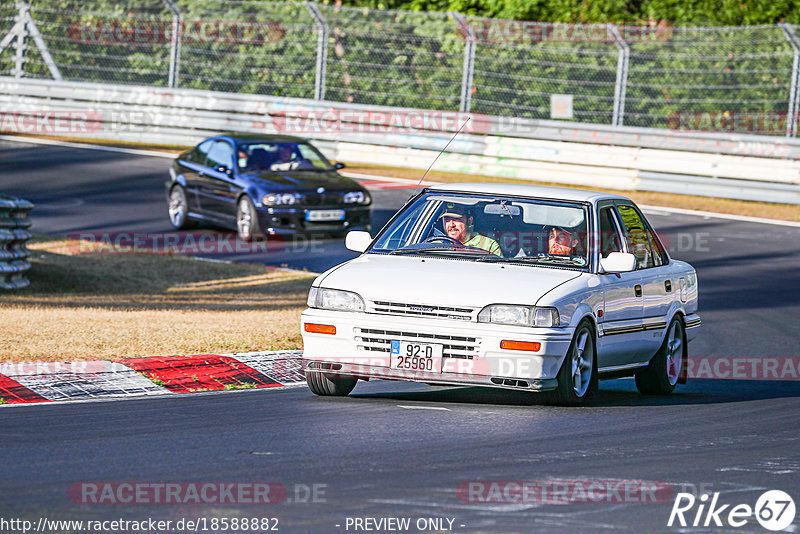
x: 14, y: 235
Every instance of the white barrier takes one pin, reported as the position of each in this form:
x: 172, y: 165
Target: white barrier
x: 745, y: 167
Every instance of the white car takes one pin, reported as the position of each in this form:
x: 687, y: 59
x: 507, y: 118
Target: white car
x: 508, y: 286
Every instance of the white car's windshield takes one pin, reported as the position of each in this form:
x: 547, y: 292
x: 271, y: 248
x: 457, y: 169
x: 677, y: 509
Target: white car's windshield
x: 490, y: 228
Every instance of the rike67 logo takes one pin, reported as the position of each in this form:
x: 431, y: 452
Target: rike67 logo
x: 774, y: 510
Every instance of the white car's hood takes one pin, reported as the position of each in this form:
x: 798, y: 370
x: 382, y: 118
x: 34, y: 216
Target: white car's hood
x: 444, y: 282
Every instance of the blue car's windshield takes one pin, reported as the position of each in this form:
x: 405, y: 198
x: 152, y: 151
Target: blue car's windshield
x: 259, y: 156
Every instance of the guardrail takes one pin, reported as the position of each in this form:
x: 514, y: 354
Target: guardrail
x: 645, y: 73
x: 746, y: 167
x: 14, y: 236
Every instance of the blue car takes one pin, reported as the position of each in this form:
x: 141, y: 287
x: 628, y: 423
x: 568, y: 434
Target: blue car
x: 257, y: 184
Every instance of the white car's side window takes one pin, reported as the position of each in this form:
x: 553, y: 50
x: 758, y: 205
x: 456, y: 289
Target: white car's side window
x: 610, y: 240
x: 636, y: 233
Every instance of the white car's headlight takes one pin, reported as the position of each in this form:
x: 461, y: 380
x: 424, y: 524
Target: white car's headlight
x: 281, y: 199
x: 312, y: 297
x: 546, y: 317
x: 334, y: 299
x: 519, y: 315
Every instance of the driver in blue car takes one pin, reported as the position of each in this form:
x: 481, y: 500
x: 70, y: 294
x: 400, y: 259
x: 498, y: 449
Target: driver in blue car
x: 287, y: 160
x: 457, y: 221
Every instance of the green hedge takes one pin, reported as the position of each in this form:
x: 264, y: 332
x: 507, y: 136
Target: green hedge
x: 678, y: 12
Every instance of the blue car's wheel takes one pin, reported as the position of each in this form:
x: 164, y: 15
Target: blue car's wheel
x: 246, y: 219
x: 178, y: 209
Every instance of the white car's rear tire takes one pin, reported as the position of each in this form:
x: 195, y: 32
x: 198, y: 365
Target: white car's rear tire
x: 664, y: 370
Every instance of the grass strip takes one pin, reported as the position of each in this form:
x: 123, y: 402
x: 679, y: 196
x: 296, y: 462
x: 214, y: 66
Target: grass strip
x: 104, y: 305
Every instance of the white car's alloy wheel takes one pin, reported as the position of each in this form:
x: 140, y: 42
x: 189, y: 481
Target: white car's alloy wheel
x: 577, y: 379
x: 674, y: 352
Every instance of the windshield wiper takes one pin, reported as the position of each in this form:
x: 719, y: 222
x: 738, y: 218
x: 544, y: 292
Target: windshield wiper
x: 426, y: 249
x: 560, y: 260
x: 461, y: 251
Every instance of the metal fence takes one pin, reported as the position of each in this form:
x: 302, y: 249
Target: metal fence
x: 721, y: 79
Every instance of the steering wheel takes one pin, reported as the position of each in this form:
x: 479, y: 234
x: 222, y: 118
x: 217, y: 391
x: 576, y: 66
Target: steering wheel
x: 446, y: 239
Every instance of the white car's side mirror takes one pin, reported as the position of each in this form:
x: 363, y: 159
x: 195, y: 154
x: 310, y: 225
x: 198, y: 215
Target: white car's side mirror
x: 618, y: 262
x: 357, y: 241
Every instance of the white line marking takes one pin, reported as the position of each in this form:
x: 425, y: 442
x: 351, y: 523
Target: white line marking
x: 657, y: 210
x: 233, y: 262
x: 491, y: 507
x: 86, y: 146
x: 423, y: 407
x: 381, y: 178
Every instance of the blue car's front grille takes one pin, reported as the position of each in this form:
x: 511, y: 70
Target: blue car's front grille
x: 328, y: 198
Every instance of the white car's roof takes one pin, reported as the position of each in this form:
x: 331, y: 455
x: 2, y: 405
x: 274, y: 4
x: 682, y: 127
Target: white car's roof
x: 538, y: 191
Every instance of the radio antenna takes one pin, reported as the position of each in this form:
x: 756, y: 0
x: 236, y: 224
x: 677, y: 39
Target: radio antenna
x: 439, y: 154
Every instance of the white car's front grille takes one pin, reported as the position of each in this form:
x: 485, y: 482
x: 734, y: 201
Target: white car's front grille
x: 422, y: 310
x: 374, y: 340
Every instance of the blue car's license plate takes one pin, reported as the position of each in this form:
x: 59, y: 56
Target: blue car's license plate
x: 324, y: 215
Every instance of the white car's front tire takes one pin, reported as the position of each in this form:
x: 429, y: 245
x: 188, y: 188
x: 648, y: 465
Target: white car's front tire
x: 577, y: 378
x: 330, y: 385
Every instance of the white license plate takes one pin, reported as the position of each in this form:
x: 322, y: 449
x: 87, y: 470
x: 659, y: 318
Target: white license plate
x: 416, y: 357
x: 325, y: 215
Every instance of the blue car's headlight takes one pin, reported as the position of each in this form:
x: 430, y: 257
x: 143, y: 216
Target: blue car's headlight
x: 281, y: 199
x: 356, y: 197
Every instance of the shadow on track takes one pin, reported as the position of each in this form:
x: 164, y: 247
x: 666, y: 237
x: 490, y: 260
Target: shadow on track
x: 621, y: 392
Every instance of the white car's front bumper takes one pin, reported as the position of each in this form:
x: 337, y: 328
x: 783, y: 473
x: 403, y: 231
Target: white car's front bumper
x: 472, y: 353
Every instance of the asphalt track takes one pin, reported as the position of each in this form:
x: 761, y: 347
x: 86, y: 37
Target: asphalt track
x: 395, y: 449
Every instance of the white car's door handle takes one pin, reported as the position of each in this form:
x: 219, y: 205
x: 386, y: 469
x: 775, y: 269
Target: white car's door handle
x: 637, y: 289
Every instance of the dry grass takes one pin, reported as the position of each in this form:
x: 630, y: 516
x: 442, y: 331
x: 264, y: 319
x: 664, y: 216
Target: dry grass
x: 103, y: 306
x: 787, y: 212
